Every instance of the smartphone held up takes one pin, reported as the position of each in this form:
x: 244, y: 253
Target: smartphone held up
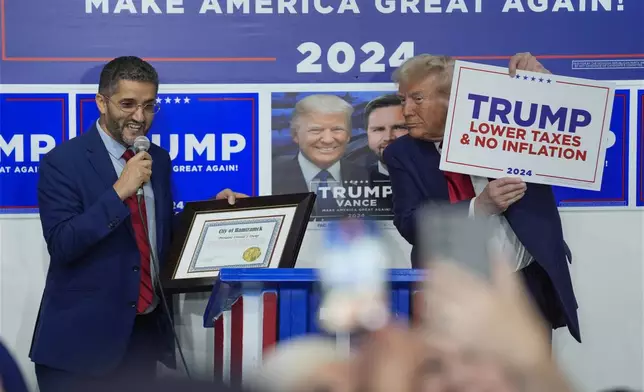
x: 447, y: 233
x: 354, y: 271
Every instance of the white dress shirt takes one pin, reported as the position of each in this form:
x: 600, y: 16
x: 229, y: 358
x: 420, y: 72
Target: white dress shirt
x: 116, y: 150
x: 504, y: 237
x: 382, y: 169
x: 310, y: 170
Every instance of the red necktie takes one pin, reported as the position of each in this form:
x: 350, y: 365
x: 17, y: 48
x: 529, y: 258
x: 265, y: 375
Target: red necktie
x: 146, y: 293
x: 459, y: 185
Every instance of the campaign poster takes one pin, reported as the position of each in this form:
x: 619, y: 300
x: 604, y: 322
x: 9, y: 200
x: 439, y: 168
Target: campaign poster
x: 212, y: 140
x: 614, y: 186
x: 303, y: 41
x: 640, y: 148
x: 331, y: 143
x: 543, y: 128
x: 32, y: 125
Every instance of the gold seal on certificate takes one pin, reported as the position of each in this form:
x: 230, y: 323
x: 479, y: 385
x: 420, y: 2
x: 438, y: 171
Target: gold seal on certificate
x: 251, y: 254
x: 256, y: 232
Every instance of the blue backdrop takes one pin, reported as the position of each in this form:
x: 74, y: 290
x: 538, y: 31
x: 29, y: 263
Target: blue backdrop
x: 208, y: 41
x: 31, y: 125
x: 614, y: 190
x: 640, y: 148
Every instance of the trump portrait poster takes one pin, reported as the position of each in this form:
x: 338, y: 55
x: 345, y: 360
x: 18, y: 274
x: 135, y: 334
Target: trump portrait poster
x: 543, y: 128
x: 331, y: 143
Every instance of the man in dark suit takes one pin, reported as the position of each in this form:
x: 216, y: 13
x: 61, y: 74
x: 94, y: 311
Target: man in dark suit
x: 101, y: 319
x: 11, y: 379
x: 384, y: 122
x: 530, y: 226
x: 321, y: 127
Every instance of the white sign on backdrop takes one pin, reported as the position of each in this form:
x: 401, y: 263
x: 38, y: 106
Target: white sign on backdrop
x: 543, y: 128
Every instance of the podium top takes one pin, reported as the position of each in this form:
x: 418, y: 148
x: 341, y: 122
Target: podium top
x: 272, y: 276
x: 236, y: 282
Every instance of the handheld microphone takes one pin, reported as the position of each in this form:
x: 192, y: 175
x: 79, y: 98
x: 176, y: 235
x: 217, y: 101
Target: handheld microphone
x: 141, y: 143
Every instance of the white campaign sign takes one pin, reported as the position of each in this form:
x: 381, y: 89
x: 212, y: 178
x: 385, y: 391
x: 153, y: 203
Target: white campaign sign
x: 543, y: 128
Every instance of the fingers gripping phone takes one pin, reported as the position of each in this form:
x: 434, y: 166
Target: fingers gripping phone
x: 447, y: 234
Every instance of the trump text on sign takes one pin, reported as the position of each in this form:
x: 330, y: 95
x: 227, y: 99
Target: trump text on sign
x: 544, y: 128
x: 32, y: 125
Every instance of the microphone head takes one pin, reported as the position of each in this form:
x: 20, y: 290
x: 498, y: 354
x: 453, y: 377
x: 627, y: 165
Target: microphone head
x: 141, y: 143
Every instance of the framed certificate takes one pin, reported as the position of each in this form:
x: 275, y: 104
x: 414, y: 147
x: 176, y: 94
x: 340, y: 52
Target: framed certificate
x: 256, y: 232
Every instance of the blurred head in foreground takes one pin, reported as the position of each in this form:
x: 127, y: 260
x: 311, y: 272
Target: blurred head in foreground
x: 303, y: 364
x: 392, y: 359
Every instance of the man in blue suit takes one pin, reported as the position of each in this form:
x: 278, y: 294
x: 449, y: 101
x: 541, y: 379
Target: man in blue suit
x: 11, y: 379
x: 527, y: 215
x: 102, y: 321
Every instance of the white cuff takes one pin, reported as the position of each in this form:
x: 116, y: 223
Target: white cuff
x: 471, y: 212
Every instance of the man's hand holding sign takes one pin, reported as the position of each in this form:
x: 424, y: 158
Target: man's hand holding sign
x: 532, y: 126
x: 491, y: 141
x: 499, y: 194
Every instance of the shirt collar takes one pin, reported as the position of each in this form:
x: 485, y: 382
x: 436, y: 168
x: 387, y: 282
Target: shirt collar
x: 382, y: 168
x: 438, y: 146
x: 310, y: 170
x: 114, y: 148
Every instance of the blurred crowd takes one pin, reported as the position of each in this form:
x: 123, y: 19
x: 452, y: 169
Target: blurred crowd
x: 474, y: 335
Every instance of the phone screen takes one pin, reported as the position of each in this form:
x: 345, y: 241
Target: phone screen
x: 354, y: 277
x: 446, y: 233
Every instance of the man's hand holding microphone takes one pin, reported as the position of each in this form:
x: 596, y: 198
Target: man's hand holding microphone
x: 137, y: 170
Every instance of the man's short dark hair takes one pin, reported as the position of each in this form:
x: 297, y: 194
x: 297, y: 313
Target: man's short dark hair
x: 129, y: 68
x: 383, y: 101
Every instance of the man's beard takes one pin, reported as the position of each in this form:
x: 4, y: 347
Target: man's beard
x: 116, y: 129
x: 380, y: 154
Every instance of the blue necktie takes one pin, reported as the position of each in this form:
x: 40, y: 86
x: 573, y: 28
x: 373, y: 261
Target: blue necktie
x: 324, y: 206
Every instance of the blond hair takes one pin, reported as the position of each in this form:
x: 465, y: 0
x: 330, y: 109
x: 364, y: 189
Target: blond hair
x: 419, y: 67
x: 322, y: 104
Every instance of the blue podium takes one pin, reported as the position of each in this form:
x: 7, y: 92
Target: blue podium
x: 252, y: 309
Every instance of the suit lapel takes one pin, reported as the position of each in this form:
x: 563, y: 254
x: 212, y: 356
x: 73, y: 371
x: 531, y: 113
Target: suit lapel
x: 100, y: 160
x: 299, y: 182
x: 435, y: 174
x: 99, y: 157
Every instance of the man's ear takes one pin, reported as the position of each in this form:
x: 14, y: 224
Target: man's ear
x: 296, y: 139
x: 101, y: 104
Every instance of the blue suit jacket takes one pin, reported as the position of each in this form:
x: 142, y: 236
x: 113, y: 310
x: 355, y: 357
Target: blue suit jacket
x: 11, y: 378
x: 88, y: 306
x: 416, y: 179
